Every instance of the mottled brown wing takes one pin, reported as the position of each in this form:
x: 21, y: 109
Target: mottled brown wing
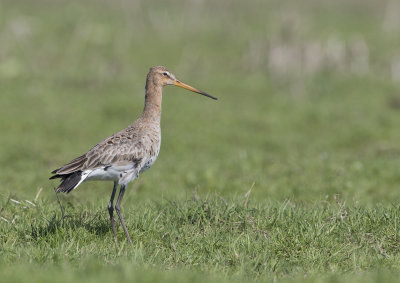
x: 120, y: 146
x: 132, y: 144
x: 115, y: 151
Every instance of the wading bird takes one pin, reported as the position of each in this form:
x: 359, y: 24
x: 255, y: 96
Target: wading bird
x: 123, y: 156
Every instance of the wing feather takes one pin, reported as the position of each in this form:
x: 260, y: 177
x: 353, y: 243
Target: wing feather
x: 72, y: 166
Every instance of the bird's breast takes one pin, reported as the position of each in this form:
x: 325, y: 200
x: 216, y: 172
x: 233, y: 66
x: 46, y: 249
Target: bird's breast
x: 151, y: 154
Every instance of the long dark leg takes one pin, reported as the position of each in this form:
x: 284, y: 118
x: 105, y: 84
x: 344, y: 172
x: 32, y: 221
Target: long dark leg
x: 118, y: 209
x: 111, y: 209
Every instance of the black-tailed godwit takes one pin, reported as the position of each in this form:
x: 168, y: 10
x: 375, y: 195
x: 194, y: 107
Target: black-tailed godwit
x: 123, y: 156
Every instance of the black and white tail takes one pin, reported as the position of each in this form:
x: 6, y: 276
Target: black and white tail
x: 71, y: 175
x: 68, y: 181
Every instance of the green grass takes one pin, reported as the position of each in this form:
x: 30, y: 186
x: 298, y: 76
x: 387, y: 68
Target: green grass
x: 233, y: 237
x: 217, y: 237
x: 315, y: 141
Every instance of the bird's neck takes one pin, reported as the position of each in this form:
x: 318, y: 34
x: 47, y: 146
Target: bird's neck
x: 152, y: 106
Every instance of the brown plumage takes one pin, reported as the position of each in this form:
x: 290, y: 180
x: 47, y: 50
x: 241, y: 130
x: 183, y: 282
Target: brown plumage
x: 123, y: 156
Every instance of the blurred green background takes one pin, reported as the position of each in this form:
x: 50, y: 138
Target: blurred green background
x: 309, y: 102
x: 308, y: 109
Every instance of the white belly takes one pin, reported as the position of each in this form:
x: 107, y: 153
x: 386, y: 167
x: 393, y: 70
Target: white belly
x: 121, y: 174
x: 109, y: 174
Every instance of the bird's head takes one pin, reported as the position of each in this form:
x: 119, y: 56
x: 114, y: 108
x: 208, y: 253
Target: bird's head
x: 161, y: 76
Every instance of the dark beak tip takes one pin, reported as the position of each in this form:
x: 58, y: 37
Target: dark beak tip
x: 208, y: 95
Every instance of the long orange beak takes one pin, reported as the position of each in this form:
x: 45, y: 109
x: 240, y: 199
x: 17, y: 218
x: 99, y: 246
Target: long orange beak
x: 188, y: 87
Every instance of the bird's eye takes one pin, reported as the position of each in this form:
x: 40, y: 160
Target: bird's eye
x: 165, y: 74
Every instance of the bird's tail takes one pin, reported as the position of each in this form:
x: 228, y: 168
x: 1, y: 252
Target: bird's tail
x: 69, y: 181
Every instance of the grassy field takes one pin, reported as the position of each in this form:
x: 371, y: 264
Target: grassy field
x: 292, y: 175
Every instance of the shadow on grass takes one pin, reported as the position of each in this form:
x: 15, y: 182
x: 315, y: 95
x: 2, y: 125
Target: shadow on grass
x: 63, y: 224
